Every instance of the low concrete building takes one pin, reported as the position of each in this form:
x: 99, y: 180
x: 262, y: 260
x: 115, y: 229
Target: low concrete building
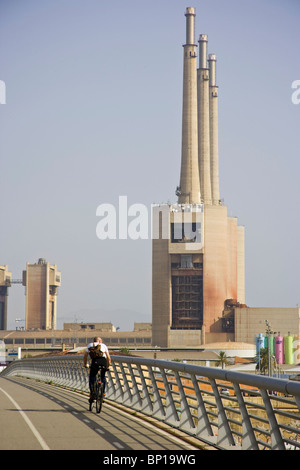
x: 41, y: 280
x: 36, y: 341
x: 250, y: 321
x: 5, y: 283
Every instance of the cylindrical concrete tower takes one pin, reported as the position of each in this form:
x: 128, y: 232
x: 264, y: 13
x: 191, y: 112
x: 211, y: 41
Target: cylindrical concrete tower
x: 189, y: 190
x: 213, y: 130
x: 203, y: 122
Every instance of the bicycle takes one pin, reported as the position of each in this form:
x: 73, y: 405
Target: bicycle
x: 98, y: 392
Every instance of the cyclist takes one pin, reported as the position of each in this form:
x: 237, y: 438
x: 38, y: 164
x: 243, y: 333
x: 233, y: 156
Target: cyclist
x: 97, y: 362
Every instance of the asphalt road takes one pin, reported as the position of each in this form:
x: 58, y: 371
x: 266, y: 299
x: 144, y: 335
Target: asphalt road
x: 36, y: 416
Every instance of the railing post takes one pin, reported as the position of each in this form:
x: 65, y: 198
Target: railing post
x: 158, y: 407
x: 276, y: 438
x: 249, y: 441
x: 186, y: 419
x: 204, y: 428
x: 118, y: 392
x: 146, y: 404
x: 171, y: 412
x: 225, y: 437
x: 127, y: 393
x: 136, y: 400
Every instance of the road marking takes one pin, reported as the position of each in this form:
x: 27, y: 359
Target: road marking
x: 118, y: 445
x: 157, y: 430
x: 27, y: 420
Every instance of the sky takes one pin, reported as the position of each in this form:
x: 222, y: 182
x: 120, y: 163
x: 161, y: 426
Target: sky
x: 92, y: 113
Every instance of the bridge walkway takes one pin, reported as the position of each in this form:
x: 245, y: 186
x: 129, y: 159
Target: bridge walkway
x: 37, y: 415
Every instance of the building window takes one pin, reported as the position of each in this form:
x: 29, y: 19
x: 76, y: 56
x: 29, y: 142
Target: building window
x: 29, y: 340
x: 187, y: 302
x: 40, y: 341
x: 186, y: 232
x: 19, y: 340
x: 8, y: 340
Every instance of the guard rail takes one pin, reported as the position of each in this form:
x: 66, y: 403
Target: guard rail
x: 226, y: 409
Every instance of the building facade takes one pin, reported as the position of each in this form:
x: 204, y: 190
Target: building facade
x: 198, y: 250
x: 5, y: 283
x: 41, y: 280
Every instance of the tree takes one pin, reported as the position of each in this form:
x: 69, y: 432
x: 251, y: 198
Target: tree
x: 223, y: 360
x: 262, y: 361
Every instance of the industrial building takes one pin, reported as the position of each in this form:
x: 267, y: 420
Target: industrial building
x: 198, y: 251
x: 198, y: 254
x: 5, y: 283
x: 41, y: 280
x: 76, y: 335
x: 201, y: 264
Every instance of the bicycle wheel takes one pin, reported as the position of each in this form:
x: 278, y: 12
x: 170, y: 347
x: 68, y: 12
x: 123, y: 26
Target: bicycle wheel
x: 93, y: 396
x: 99, y: 396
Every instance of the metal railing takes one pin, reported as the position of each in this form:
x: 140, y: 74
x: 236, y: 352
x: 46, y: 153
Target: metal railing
x: 228, y: 410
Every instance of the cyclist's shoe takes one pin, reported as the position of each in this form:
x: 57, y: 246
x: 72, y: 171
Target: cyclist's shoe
x: 92, y: 398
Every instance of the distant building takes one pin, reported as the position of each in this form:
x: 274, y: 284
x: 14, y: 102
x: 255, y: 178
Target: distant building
x: 198, y: 263
x: 198, y: 250
x: 77, y: 335
x: 5, y: 283
x: 41, y: 280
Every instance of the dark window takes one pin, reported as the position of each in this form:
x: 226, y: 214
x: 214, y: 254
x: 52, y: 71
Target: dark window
x: 186, y: 232
x: 187, y: 302
x: 29, y: 340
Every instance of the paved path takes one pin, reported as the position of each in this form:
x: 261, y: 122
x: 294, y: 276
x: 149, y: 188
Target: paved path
x: 35, y: 416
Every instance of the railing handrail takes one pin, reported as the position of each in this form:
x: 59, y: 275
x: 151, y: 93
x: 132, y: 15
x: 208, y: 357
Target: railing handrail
x: 189, y: 397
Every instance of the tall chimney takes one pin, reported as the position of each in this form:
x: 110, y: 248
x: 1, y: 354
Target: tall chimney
x: 203, y: 121
x: 213, y: 130
x: 189, y: 190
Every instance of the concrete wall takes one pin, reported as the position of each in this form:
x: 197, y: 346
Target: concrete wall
x: 41, y: 280
x: 251, y: 321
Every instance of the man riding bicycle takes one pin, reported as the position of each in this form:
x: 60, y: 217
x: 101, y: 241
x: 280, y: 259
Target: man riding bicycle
x: 100, y: 357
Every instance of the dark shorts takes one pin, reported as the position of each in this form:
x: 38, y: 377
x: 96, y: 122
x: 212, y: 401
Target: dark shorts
x: 98, y: 363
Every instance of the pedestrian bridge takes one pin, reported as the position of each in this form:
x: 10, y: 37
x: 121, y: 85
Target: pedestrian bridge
x: 224, y: 409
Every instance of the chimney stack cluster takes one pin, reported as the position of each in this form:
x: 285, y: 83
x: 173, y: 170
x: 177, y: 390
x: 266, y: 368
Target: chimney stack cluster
x: 199, y: 177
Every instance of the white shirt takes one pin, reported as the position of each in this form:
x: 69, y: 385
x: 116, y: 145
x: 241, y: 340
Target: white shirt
x: 103, y: 348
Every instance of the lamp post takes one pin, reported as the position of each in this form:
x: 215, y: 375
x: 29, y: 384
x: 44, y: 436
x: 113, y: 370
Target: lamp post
x: 269, y: 332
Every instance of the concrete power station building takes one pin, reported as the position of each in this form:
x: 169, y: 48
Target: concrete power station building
x: 198, y: 250
x: 5, y: 283
x: 41, y: 280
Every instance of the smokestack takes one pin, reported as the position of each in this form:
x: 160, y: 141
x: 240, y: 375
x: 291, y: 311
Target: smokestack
x: 203, y: 122
x: 213, y: 130
x: 189, y: 190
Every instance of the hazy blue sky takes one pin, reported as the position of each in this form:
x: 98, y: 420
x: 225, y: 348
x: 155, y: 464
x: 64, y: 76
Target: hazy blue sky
x: 93, y: 112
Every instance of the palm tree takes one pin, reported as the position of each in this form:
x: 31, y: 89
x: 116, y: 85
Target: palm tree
x: 262, y: 361
x: 223, y: 360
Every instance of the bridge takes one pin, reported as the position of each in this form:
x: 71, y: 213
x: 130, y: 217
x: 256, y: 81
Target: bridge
x: 150, y: 405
